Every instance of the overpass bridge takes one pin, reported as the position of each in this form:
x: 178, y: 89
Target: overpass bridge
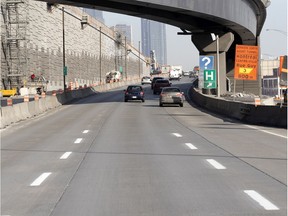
x: 234, y: 21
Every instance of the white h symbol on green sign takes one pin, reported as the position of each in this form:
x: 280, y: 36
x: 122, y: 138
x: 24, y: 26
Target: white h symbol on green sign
x: 209, y: 79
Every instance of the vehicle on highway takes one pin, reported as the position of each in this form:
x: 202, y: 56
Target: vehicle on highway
x: 146, y: 80
x: 134, y: 92
x: 171, y: 95
x: 154, y: 80
x: 175, y: 73
x: 185, y: 73
x: 159, y: 84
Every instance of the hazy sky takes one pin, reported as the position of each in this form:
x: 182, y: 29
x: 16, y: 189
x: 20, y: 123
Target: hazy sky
x: 181, y: 51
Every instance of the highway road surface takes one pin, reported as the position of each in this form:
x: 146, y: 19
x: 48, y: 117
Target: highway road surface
x: 104, y: 157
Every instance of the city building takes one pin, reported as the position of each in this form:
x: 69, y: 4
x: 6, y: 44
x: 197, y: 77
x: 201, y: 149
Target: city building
x: 153, y: 37
x: 95, y: 13
x: 124, y: 29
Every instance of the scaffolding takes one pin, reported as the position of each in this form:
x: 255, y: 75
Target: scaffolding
x: 14, y: 40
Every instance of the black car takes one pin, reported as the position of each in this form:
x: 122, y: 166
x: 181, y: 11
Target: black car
x: 159, y: 84
x: 134, y: 92
x: 154, y: 80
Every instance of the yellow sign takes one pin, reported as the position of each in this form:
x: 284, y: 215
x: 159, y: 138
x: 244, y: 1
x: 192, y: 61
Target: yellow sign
x: 246, y: 62
x: 245, y: 70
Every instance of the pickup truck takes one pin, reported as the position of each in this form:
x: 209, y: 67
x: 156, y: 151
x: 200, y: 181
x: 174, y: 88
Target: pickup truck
x: 159, y: 84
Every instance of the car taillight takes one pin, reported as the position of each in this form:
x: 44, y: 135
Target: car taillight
x: 179, y: 94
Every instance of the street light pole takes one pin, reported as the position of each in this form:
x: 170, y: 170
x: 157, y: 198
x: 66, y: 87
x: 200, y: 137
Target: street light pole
x: 64, y: 63
x: 218, y: 65
x: 280, y: 31
x: 100, y: 54
x: 139, y: 60
x: 126, y: 58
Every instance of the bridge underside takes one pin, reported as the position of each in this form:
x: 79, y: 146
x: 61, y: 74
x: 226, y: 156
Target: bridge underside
x: 243, y: 19
x: 234, y: 21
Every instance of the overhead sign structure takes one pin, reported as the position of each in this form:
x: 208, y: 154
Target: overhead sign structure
x: 246, y: 62
x: 210, y: 81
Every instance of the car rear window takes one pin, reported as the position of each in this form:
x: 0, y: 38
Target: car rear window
x: 134, y: 88
x: 171, y: 90
x: 162, y: 81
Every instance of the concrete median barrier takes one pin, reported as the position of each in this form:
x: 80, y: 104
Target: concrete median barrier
x: 275, y: 116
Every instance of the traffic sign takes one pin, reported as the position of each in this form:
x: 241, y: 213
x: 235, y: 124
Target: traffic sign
x: 206, y: 63
x: 246, y: 62
x: 210, y: 79
x: 65, y: 71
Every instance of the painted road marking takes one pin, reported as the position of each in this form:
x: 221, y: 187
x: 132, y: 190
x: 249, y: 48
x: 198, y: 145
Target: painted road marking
x: 191, y: 146
x: 261, y: 200
x: 85, y: 131
x: 78, y: 140
x: 65, y: 155
x: 40, y: 179
x: 177, y: 134
x: 265, y: 131
x: 215, y: 164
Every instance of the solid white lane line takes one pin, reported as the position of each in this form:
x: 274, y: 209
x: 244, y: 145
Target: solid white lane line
x: 78, y: 140
x: 215, y: 164
x: 261, y: 200
x: 177, y: 134
x: 85, y: 131
x: 191, y: 146
x: 40, y: 179
x: 265, y: 131
x: 65, y: 155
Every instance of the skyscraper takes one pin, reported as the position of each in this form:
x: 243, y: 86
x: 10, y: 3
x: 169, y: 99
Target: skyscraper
x: 153, y: 36
x: 126, y: 30
x: 95, y: 13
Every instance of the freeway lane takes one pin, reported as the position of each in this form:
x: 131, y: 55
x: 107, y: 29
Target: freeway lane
x: 102, y: 156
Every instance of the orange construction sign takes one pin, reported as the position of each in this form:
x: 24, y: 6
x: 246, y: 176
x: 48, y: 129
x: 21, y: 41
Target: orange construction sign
x: 246, y: 62
x: 283, y: 64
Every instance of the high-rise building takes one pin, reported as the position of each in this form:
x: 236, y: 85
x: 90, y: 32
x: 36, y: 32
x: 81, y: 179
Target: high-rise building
x: 126, y: 30
x: 95, y: 13
x: 153, y: 36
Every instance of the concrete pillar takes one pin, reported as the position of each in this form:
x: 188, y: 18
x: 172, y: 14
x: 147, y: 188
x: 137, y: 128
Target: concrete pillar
x: 207, y: 46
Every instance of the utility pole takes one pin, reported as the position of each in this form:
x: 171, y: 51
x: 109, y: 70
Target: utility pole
x: 126, y: 57
x: 100, y: 54
x: 139, y: 60
x: 64, y: 63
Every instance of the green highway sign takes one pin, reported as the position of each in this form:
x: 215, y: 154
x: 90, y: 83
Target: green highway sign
x: 65, y: 71
x: 210, y: 79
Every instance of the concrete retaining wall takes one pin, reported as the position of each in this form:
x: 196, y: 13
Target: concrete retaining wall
x: 275, y: 116
x: 89, y: 54
x: 25, y: 110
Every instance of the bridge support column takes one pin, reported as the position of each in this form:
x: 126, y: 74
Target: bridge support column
x: 207, y: 46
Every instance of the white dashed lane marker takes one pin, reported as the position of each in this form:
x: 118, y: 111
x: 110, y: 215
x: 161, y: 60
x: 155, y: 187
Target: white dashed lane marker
x: 215, y: 164
x: 265, y: 131
x: 78, y: 140
x: 266, y: 204
x: 177, y: 134
x: 191, y: 146
x: 85, y: 131
x: 40, y: 179
x: 65, y: 155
